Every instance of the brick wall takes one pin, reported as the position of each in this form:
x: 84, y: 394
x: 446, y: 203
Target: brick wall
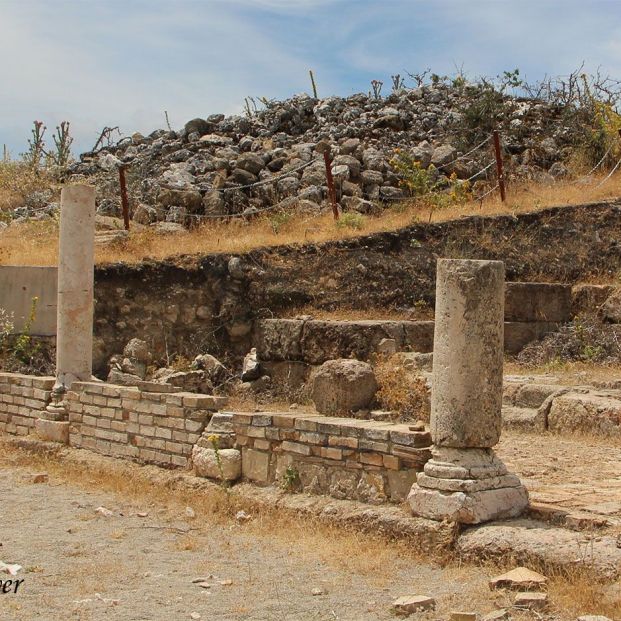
x: 346, y: 458
x: 22, y: 398
x: 154, y: 427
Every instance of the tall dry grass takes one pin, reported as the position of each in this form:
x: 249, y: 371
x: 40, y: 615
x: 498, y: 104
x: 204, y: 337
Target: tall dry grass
x: 35, y: 243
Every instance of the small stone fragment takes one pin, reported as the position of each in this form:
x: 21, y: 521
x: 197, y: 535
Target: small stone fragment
x: 408, y: 604
x: 190, y: 513
x: 593, y: 618
x: 520, y: 578
x: 7, y: 568
x: 41, y: 477
x: 502, y: 614
x: 203, y: 585
x: 242, y: 516
x: 103, y: 511
x: 317, y: 591
x: 195, y: 616
x: 530, y: 600
x: 227, y: 582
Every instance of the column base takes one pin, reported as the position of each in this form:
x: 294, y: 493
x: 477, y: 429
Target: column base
x: 468, y: 486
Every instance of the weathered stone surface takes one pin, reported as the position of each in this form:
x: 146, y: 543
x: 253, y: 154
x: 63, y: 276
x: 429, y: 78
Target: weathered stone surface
x: 221, y: 422
x: 519, y: 579
x: 205, y: 463
x: 468, y: 353
x: 589, y: 298
x: 519, y: 333
x: 611, y: 308
x: 408, y: 604
x: 471, y: 508
x: 278, y: 339
x: 342, y: 386
x: 531, y: 601
x: 255, y: 465
x: 530, y: 301
x: 596, y: 412
x: 540, y: 542
x: 52, y: 430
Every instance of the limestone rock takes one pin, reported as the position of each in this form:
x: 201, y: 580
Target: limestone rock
x: 611, y: 308
x: 520, y: 578
x: 443, y: 155
x: 531, y: 601
x: 342, y: 386
x: 408, y: 604
x: 251, y: 368
x: 502, y: 614
x: 206, y: 463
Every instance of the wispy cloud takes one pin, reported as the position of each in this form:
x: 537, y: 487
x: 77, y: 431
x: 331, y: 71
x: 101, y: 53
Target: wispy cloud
x: 119, y: 62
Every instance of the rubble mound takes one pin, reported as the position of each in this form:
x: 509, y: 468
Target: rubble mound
x: 273, y: 158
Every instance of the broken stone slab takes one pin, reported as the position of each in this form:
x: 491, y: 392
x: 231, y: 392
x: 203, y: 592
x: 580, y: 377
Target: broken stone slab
x: 408, y: 604
x: 540, y: 542
x: 520, y: 578
x: 531, y: 601
x: 224, y: 464
x: 593, y: 618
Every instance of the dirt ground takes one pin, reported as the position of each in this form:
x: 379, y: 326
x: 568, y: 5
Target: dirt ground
x: 577, y: 473
x: 141, y: 562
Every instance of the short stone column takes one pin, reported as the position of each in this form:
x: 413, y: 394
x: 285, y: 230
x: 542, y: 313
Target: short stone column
x: 74, y: 325
x: 465, y: 481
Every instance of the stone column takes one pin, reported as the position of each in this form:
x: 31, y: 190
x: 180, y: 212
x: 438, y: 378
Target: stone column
x: 465, y: 481
x: 74, y: 333
x: 74, y: 324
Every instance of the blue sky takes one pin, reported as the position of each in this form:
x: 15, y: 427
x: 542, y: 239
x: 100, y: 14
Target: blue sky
x: 123, y: 62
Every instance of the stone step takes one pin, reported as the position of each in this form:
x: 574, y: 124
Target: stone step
x: 522, y: 419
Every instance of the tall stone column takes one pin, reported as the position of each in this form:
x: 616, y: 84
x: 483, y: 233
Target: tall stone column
x: 74, y: 324
x: 74, y: 333
x: 465, y: 481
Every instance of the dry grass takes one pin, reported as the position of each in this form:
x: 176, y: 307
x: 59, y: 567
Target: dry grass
x: 570, y: 373
x: 18, y: 181
x: 359, y: 314
x: 400, y: 391
x: 35, y: 243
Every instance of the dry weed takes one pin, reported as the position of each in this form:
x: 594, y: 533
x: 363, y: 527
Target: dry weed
x: 400, y: 390
x: 34, y: 243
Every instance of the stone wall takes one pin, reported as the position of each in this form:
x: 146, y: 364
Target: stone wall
x: 153, y: 427
x: 19, y: 284
x: 346, y: 458
x: 22, y: 398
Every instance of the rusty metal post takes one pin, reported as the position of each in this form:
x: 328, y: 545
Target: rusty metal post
x: 499, y: 168
x: 124, y: 200
x: 331, y: 189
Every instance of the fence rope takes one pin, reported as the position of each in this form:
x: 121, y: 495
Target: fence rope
x: 609, y: 174
x: 461, y: 157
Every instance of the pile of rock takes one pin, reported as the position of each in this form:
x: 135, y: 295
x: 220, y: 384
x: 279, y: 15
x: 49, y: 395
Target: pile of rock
x: 206, y: 168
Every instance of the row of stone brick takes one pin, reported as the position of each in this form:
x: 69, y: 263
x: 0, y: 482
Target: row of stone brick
x: 353, y: 442
x: 22, y: 397
x: 153, y: 427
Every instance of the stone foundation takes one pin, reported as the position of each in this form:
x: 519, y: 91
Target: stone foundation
x: 359, y: 460
x: 22, y: 398
x: 152, y: 427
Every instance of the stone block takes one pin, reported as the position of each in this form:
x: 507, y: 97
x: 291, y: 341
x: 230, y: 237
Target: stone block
x: 536, y: 301
x: 342, y: 386
x: 52, y: 430
x: 255, y: 465
x: 205, y: 463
